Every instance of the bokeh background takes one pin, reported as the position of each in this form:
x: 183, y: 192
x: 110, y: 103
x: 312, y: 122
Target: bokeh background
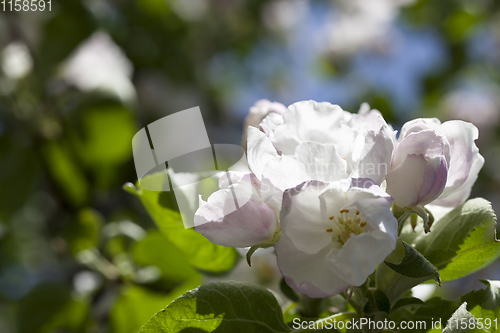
x: 80, y: 254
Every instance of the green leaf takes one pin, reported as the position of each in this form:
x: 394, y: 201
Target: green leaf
x: 460, y: 321
x: 136, y: 305
x: 414, y: 265
x: 103, y: 135
x: 84, y: 232
x: 221, y: 307
x: 393, y: 284
x: 66, y: 172
x: 407, y: 302
x: 199, y: 251
x: 428, y: 313
x: 397, y: 279
x: 156, y: 250
x: 485, y: 303
x: 460, y: 243
x: 396, y: 256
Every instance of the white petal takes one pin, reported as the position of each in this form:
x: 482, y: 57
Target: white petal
x: 371, y: 154
x: 312, y: 161
x: 461, y: 136
x: 231, y: 177
x: 227, y: 200
x: 420, y: 124
x: 357, y: 259
x: 344, y: 141
x: 308, y: 121
x: 417, y: 181
x: 377, y: 212
x: 364, y: 109
x: 458, y: 196
x: 259, y: 151
x: 302, y: 219
x: 236, y: 221
x: 270, y: 122
x: 261, y: 109
x: 463, y: 150
x: 252, y: 224
x: 201, y: 202
x: 428, y: 143
x: 257, y: 113
x: 271, y: 195
x: 307, y: 273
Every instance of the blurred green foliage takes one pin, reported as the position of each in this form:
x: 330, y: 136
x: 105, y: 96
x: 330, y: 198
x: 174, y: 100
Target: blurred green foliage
x: 80, y: 254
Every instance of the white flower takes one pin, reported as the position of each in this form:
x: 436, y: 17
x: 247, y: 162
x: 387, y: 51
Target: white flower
x: 99, y: 64
x: 419, y: 166
x: 333, y: 235
x: 16, y: 60
x: 464, y: 162
x: 363, y: 140
x: 236, y: 215
x: 244, y: 212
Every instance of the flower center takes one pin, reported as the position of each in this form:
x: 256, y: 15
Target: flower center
x: 345, y: 226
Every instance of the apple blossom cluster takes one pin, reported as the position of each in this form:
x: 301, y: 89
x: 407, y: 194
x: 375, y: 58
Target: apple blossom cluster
x: 321, y: 185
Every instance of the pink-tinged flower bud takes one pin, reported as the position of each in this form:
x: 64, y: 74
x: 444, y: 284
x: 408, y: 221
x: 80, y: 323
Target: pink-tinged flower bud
x: 464, y: 161
x: 419, y: 166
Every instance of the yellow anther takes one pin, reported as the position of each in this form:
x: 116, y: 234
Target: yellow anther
x: 346, y: 226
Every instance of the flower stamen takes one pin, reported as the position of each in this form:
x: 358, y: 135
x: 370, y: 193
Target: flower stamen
x: 346, y: 226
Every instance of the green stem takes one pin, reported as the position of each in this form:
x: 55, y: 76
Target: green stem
x: 95, y: 260
x: 401, y: 221
x: 311, y: 307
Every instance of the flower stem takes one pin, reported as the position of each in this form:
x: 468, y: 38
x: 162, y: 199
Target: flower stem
x: 401, y: 221
x: 311, y: 307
